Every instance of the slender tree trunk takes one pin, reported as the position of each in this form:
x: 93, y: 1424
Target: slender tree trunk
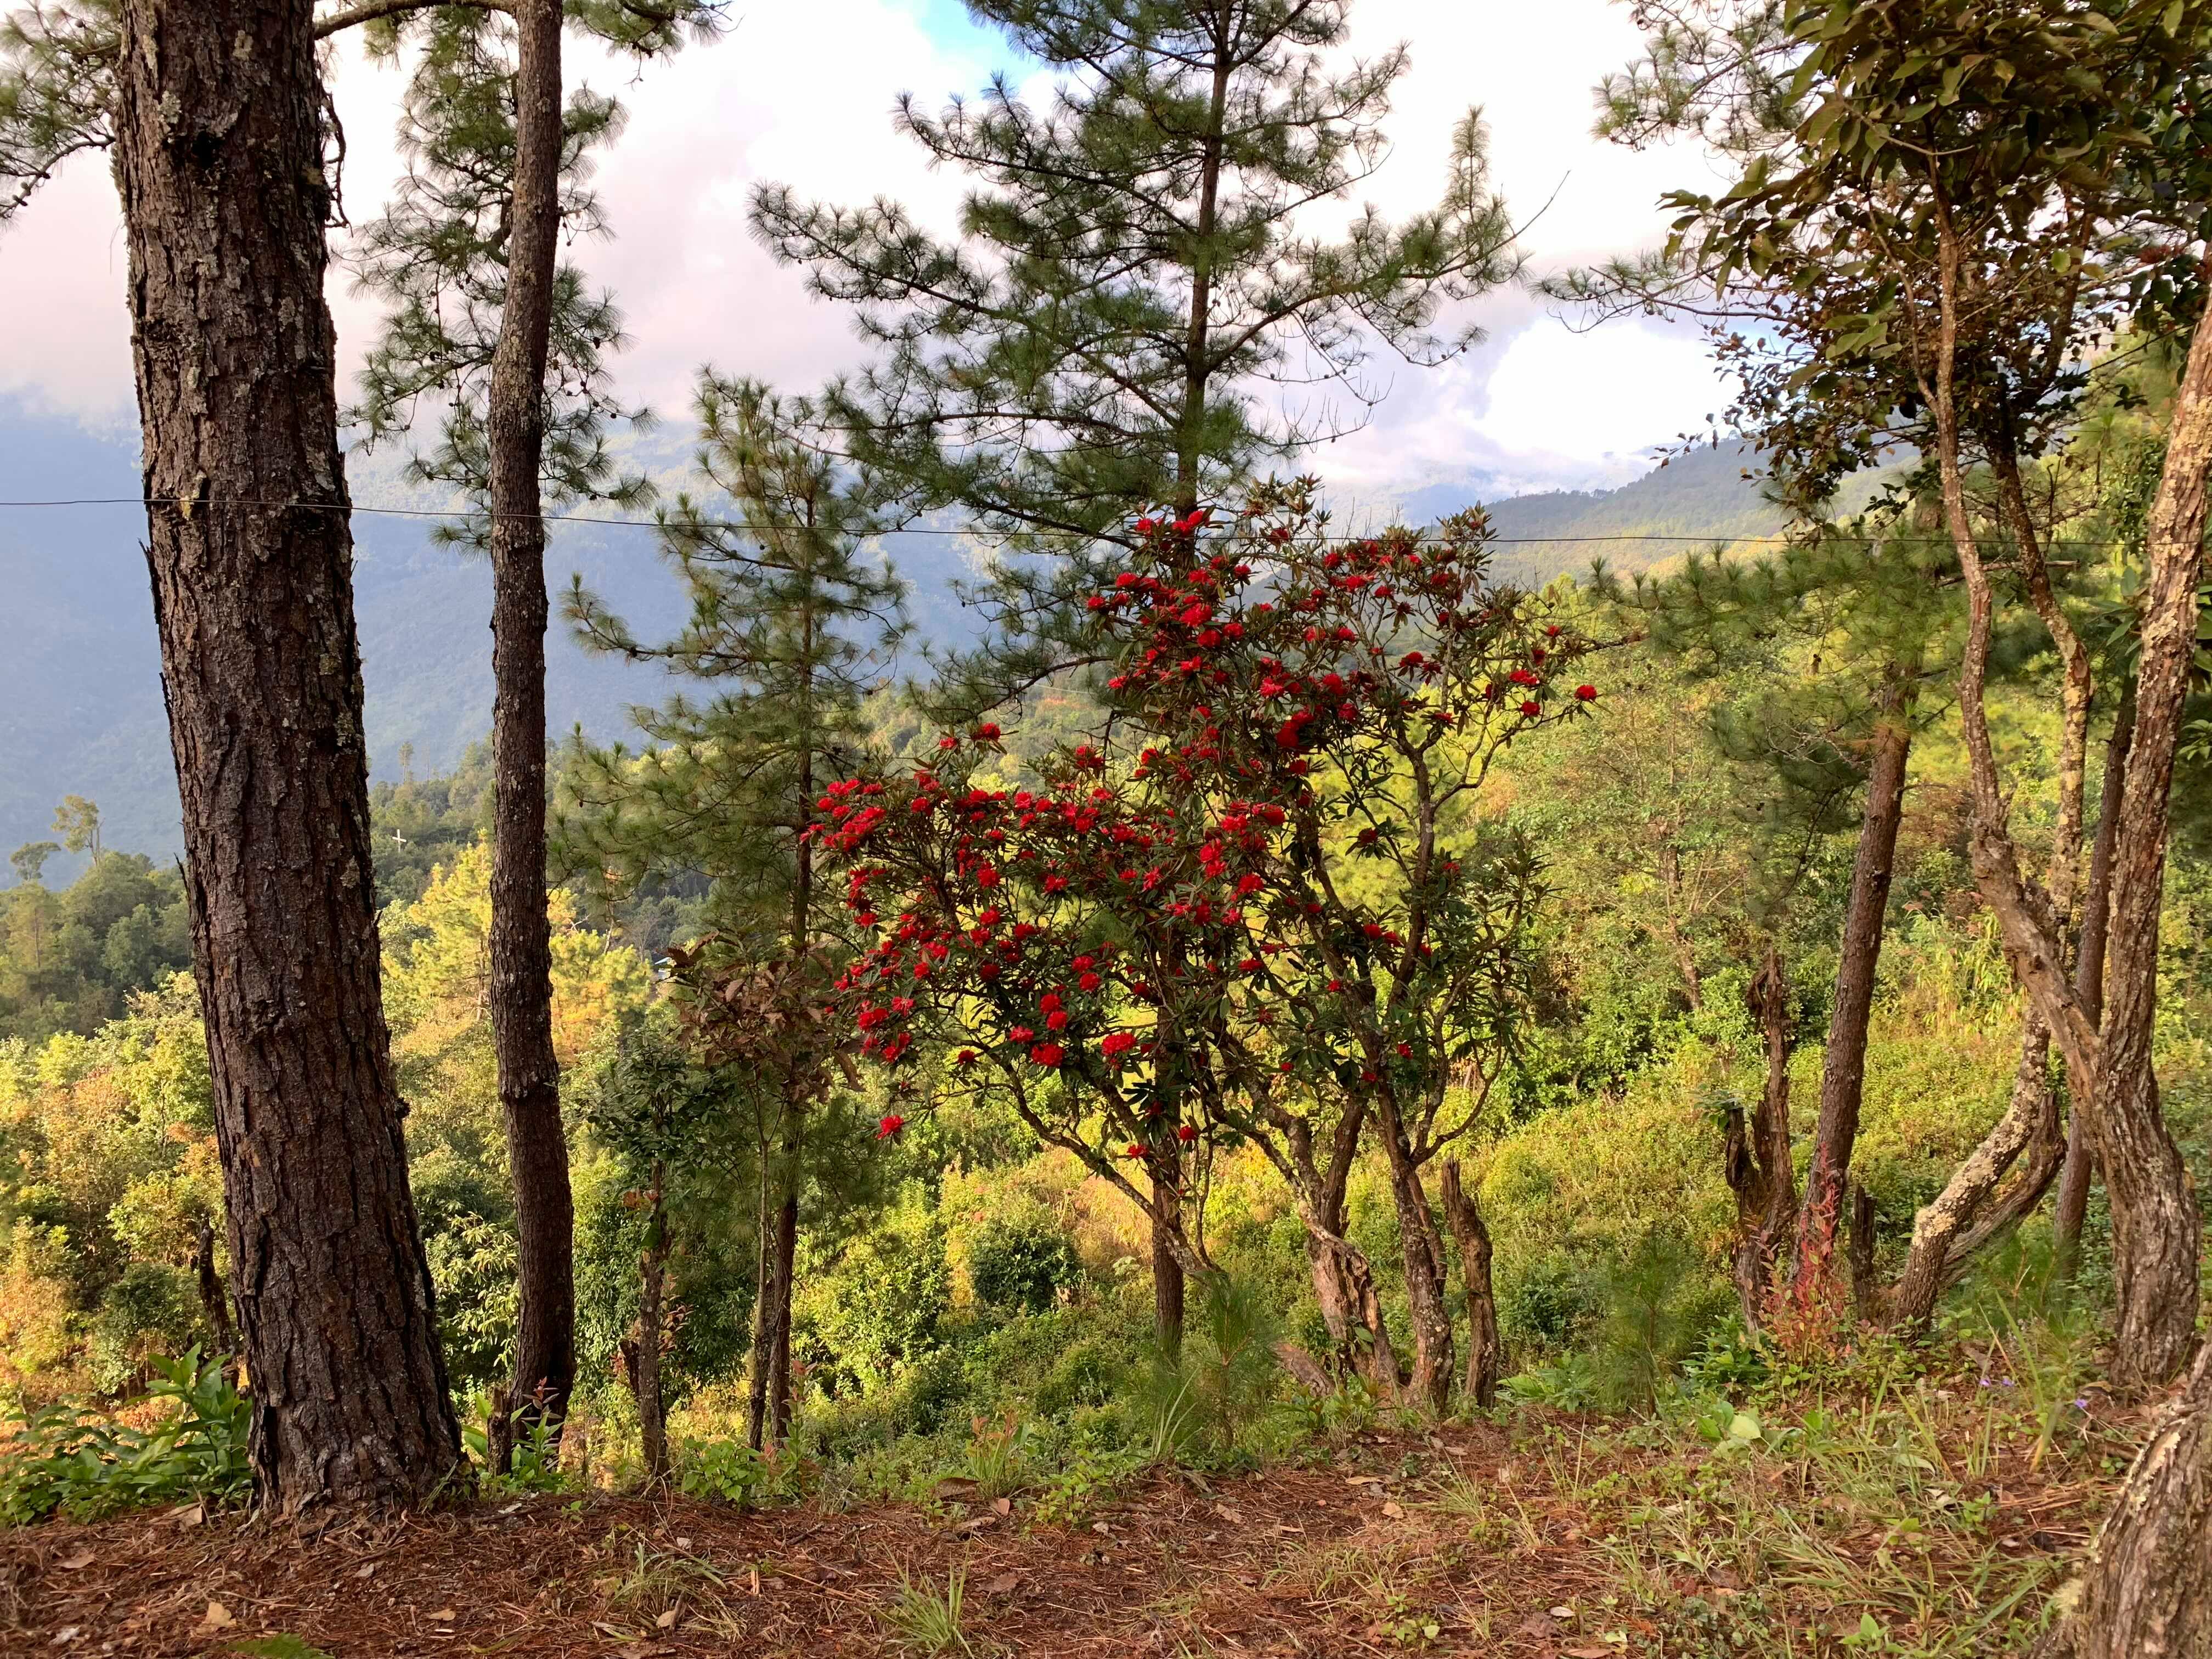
x: 769, y: 1407
x: 1757, y: 1161
x: 653, y: 1278
x: 1423, y: 1253
x: 2155, y: 1229
x: 2073, y: 1202
x: 1843, y: 1074
x: 1168, y: 1279
x: 1198, y: 368
x: 2154, y: 1223
x: 213, y: 1302
x: 2147, y: 1591
x: 1485, y: 1357
x: 1343, y: 1277
x: 766, y: 1302
x: 218, y: 157
x: 522, y: 944
x: 786, y: 1260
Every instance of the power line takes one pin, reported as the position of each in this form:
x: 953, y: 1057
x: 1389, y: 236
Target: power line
x: 1708, y: 536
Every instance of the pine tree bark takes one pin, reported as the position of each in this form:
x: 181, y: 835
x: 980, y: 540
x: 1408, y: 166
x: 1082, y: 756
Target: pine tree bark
x: 218, y: 158
x: 1485, y: 1357
x: 1842, y: 1074
x: 521, y: 941
x: 645, y: 1359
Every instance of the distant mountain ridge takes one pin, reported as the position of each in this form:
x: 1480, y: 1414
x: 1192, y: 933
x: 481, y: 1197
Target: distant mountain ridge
x: 81, y: 708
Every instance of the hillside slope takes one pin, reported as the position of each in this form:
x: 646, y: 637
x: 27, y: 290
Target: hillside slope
x: 79, y: 687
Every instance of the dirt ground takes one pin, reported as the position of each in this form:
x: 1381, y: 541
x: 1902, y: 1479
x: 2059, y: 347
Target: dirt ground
x: 1362, y: 1554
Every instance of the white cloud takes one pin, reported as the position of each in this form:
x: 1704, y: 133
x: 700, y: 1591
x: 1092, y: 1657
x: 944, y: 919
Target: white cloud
x: 804, y: 94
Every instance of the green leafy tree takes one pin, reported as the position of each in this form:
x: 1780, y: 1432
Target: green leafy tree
x: 76, y: 821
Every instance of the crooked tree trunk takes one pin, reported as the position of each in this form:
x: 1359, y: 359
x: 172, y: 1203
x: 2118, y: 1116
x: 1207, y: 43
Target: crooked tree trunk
x: 1485, y: 1358
x: 2155, y: 1229
x: 1343, y: 1277
x: 521, y: 942
x: 2154, y: 1223
x: 1422, y: 1250
x: 218, y: 158
x: 2146, y: 1593
x: 1945, y: 1232
x: 2072, y: 1205
x: 1842, y: 1074
x: 1757, y: 1158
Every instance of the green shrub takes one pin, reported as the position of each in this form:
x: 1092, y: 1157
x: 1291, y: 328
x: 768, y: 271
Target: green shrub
x: 152, y: 1309
x: 1548, y: 1303
x: 63, y: 1458
x: 1089, y: 1373
x: 1660, y: 1301
x: 1022, y: 1263
x: 1204, y: 1404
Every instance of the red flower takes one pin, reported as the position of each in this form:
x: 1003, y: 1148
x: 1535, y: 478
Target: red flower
x: 1047, y: 1053
x: 889, y: 1125
x: 1586, y: 694
x: 1133, y: 1150
x: 965, y: 1057
x: 1186, y: 1133
x: 1532, y: 709
x: 948, y: 742
x: 1146, y: 527
x: 1020, y: 1034
x: 1117, y: 1042
x: 986, y: 731
x: 1056, y: 1020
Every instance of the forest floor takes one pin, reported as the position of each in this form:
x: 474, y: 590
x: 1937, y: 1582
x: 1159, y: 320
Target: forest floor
x: 1547, y: 1539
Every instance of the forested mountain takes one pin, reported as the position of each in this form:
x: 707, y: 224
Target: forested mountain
x: 80, y: 689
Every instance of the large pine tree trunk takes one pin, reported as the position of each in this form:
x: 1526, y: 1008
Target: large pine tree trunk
x: 1843, y: 1074
x: 521, y: 945
x: 218, y: 157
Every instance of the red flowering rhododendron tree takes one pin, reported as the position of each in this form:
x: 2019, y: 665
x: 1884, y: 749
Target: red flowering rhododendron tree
x: 1267, y: 913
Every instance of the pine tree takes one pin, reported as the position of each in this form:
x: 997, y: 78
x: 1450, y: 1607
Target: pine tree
x: 489, y: 321
x: 1129, y: 278
x: 794, y: 623
x: 219, y: 146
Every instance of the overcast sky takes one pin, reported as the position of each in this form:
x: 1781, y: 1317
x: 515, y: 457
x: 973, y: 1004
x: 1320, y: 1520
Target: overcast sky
x: 802, y: 93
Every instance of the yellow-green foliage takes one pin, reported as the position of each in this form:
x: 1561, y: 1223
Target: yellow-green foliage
x: 110, y: 1166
